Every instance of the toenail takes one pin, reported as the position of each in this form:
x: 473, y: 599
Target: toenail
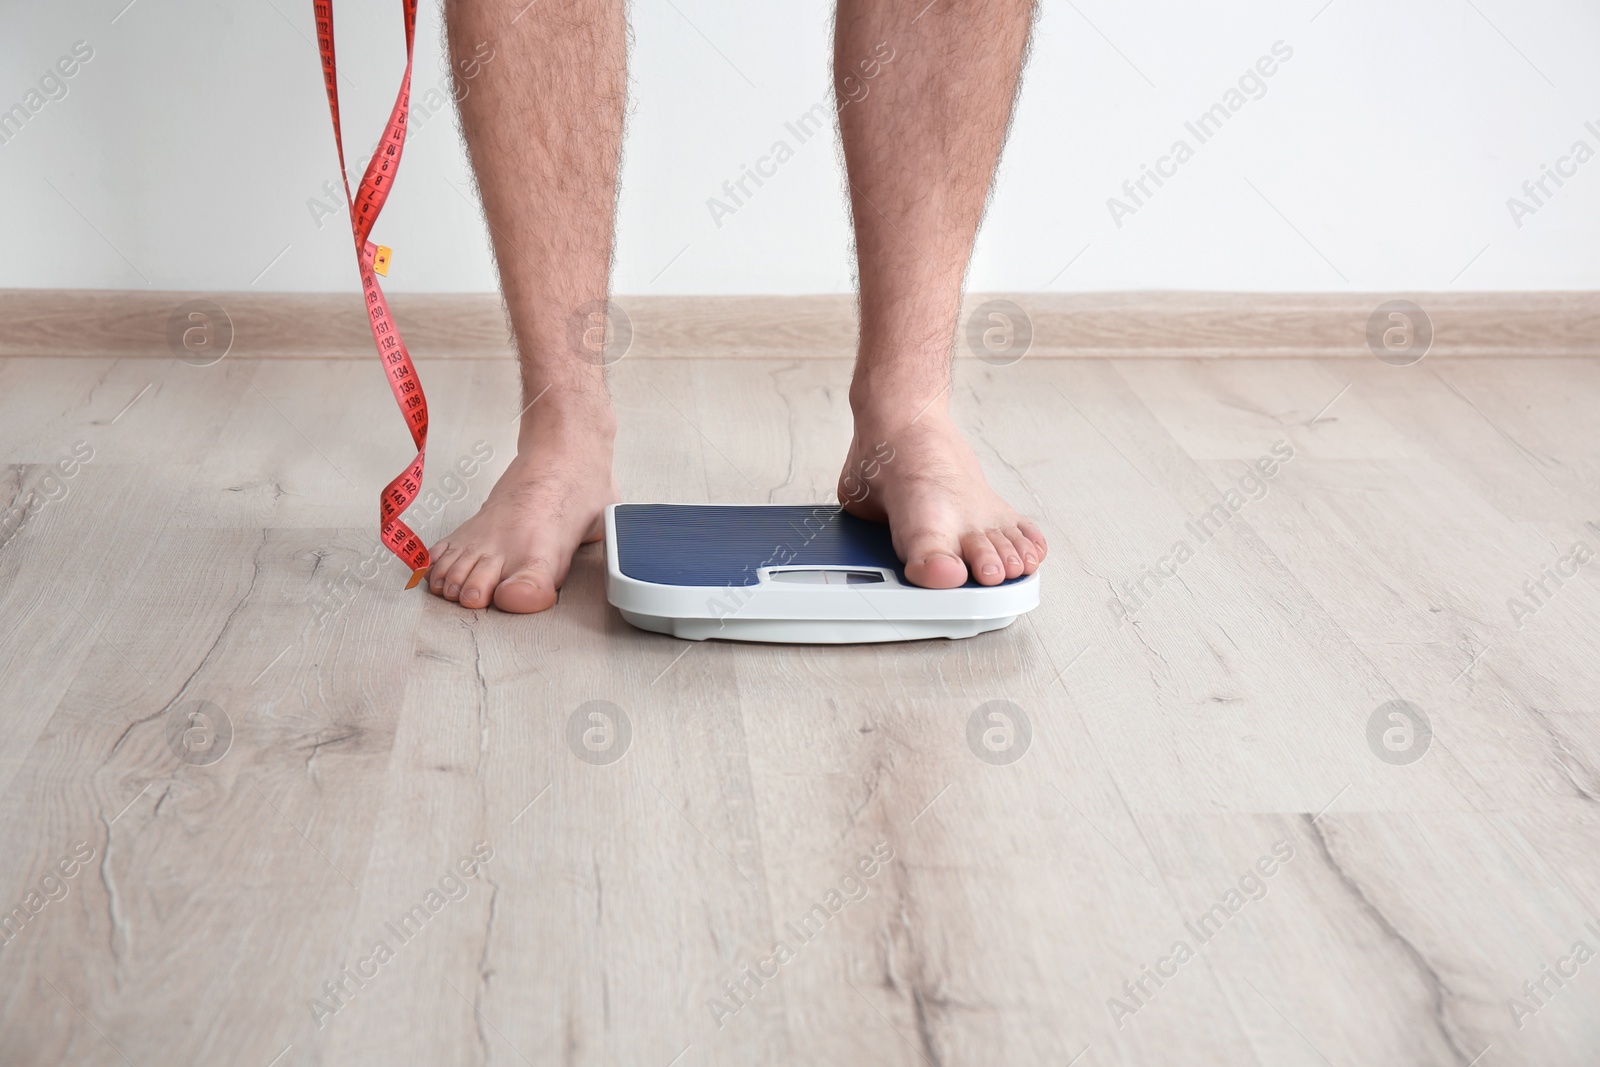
x: 451, y: 589
x: 991, y: 569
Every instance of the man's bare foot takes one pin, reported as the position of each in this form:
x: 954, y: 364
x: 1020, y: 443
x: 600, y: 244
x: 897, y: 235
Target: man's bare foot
x: 923, y: 480
x: 516, y: 550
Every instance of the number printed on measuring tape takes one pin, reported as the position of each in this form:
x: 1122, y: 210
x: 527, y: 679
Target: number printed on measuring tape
x: 372, y: 260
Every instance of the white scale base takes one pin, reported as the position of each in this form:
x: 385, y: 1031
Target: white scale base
x: 803, y: 600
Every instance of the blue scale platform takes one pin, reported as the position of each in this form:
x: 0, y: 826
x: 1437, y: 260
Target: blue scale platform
x: 724, y: 544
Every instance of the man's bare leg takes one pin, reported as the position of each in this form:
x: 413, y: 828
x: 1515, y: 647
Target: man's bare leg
x: 543, y: 124
x: 921, y: 146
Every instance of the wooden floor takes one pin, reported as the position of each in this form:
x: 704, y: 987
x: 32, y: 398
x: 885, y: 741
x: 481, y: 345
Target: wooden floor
x: 1086, y: 882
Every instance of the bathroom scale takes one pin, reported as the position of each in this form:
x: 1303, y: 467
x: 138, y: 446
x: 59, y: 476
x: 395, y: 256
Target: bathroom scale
x: 786, y: 573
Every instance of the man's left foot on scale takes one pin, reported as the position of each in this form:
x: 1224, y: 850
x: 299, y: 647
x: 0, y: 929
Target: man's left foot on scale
x: 922, y: 478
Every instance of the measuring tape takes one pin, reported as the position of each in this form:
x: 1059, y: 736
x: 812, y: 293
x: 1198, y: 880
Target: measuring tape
x: 373, y: 260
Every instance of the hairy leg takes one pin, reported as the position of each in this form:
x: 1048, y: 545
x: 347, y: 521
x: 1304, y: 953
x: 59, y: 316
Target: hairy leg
x: 926, y: 91
x: 542, y: 89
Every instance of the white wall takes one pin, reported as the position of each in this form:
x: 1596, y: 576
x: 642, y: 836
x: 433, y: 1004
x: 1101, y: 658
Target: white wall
x: 1381, y: 156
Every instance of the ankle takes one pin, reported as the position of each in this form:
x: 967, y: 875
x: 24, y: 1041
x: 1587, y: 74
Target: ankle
x: 891, y: 401
x: 567, y: 419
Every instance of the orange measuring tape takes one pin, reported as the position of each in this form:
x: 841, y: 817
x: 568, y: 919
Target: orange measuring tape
x: 373, y: 260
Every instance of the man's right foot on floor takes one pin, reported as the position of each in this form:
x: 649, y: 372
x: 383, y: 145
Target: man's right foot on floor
x: 515, y: 552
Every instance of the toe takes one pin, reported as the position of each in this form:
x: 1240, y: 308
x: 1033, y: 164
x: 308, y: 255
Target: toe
x: 1023, y: 548
x: 455, y: 576
x: 480, y: 583
x: 933, y: 561
x: 1010, y: 558
x: 530, y: 588
x: 1031, y: 532
x: 982, y: 560
x: 444, y: 557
